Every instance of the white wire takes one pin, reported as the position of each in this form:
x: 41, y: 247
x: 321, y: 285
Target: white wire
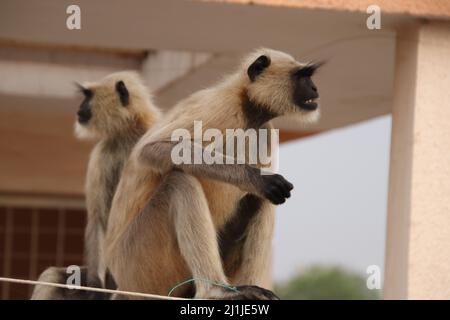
x: 74, y: 287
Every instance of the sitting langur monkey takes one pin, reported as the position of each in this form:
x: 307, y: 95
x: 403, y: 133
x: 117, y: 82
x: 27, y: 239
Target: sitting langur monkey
x: 172, y: 222
x: 116, y: 112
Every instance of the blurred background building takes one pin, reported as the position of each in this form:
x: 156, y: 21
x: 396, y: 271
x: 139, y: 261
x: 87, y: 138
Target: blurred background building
x: 339, y: 166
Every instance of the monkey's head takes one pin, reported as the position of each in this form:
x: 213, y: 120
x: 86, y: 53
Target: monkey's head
x: 279, y: 83
x: 114, y: 105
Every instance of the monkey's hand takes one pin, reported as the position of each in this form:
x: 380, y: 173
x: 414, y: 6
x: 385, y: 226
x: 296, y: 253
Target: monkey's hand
x: 274, y: 187
x: 242, y: 293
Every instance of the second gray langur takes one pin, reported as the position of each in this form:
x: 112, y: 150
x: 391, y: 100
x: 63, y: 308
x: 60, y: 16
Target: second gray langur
x: 116, y: 111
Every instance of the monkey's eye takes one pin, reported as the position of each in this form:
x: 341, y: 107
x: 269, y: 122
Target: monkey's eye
x: 308, y: 70
x: 87, y: 93
x: 304, y: 72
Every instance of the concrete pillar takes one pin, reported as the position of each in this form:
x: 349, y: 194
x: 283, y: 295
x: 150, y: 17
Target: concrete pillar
x: 418, y: 230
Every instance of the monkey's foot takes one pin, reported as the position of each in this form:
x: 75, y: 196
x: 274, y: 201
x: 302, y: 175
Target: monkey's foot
x: 243, y: 293
x: 254, y: 293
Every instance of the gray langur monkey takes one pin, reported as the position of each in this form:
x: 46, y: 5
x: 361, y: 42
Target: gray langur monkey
x: 116, y: 111
x: 170, y: 222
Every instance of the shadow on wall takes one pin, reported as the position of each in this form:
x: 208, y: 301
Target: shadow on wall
x: 326, y: 283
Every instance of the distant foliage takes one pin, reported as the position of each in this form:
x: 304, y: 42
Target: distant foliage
x: 325, y: 283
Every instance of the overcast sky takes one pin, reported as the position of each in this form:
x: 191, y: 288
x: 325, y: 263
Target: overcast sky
x: 337, y: 213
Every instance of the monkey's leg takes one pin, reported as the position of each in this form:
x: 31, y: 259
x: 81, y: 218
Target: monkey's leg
x: 246, y: 241
x: 257, y: 246
x: 194, y: 225
x: 171, y: 240
x: 195, y: 232
x: 59, y: 275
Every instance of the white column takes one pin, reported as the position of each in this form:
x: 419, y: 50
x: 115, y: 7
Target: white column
x: 418, y: 230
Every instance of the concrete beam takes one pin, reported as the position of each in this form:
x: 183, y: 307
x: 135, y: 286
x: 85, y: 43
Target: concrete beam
x: 355, y: 84
x: 437, y: 9
x: 179, y: 25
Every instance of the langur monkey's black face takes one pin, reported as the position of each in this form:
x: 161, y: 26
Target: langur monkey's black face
x: 283, y: 85
x: 113, y: 105
x: 85, y: 113
x: 305, y: 91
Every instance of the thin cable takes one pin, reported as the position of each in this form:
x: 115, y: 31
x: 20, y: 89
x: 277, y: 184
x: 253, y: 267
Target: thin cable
x: 66, y: 286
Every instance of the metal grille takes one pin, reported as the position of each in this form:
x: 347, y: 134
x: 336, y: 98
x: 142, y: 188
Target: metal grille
x: 32, y: 239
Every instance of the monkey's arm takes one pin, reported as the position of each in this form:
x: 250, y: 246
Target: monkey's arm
x: 97, y: 199
x: 91, y: 247
x: 270, y: 186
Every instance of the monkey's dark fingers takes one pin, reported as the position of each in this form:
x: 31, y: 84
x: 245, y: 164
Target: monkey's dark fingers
x: 276, y: 189
x: 275, y: 195
x: 284, y: 186
x: 276, y: 200
x: 272, y: 194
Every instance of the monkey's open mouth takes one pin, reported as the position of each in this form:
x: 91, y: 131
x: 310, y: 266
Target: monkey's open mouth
x: 310, y: 104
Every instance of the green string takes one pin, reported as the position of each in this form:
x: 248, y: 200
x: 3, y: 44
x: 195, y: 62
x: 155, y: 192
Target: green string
x: 226, y: 286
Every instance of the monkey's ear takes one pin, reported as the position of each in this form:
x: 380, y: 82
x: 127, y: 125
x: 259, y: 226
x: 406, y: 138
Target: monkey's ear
x: 257, y: 67
x: 123, y: 93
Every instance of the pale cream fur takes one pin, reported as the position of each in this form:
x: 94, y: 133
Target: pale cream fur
x: 116, y: 129
x: 163, y: 224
